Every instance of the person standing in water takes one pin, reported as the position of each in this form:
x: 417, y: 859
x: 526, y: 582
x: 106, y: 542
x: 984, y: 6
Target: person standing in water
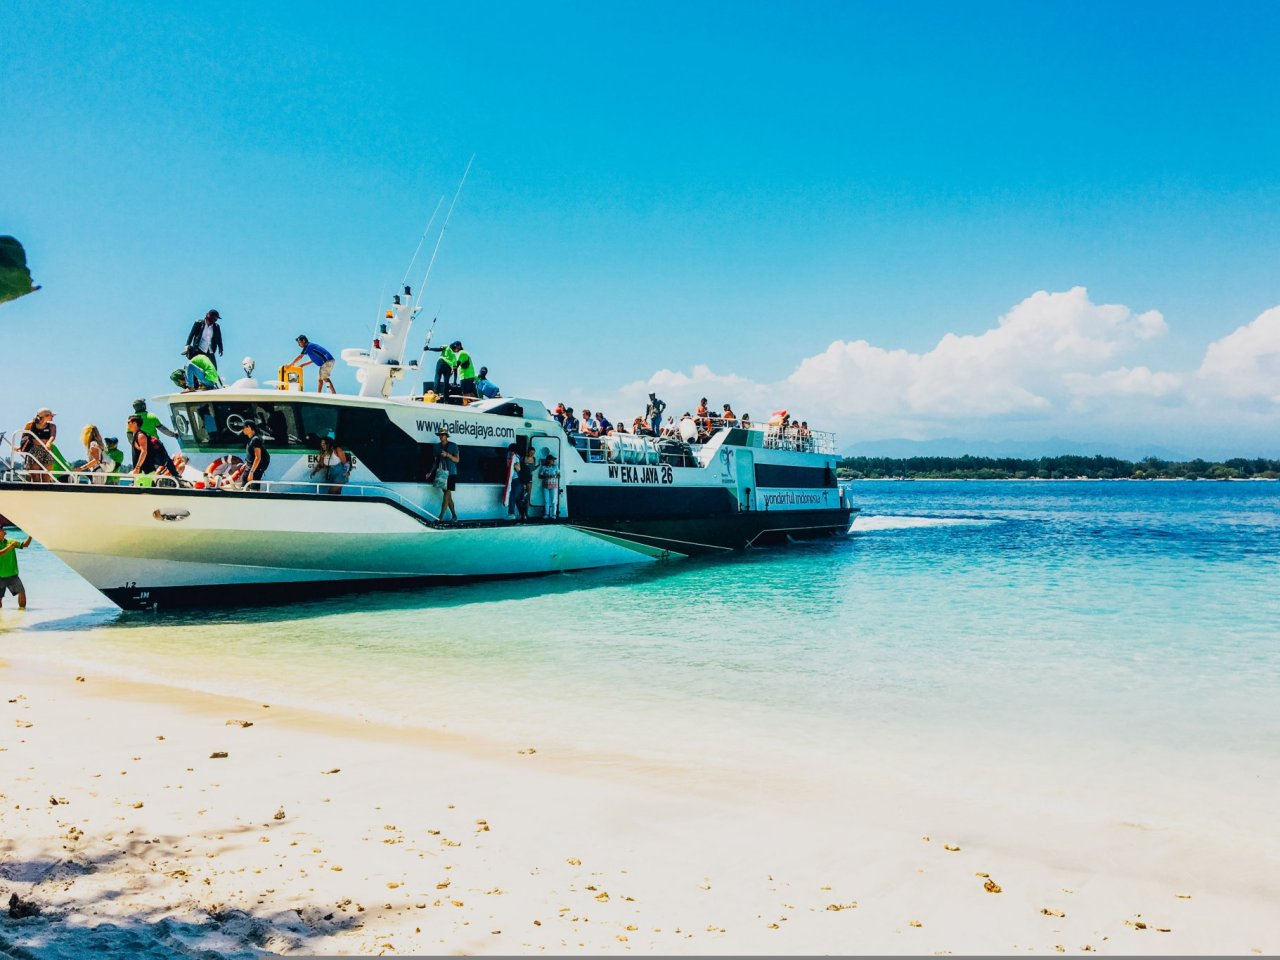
x: 9, y: 580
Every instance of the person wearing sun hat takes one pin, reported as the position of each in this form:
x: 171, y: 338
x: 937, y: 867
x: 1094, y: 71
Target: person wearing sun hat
x: 37, y: 443
x: 446, y: 480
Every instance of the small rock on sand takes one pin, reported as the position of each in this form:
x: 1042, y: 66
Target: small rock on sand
x: 20, y: 909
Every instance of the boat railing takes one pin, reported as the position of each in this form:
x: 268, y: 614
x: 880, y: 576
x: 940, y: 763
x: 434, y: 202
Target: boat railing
x: 19, y: 466
x: 777, y: 437
x: 674, y: 449
x: 630, y: 448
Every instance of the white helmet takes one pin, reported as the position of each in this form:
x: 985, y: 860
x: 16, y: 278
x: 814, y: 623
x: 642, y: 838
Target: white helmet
x: 248, y: 365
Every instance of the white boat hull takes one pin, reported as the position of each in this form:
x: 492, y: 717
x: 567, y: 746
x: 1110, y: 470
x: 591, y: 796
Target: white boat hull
x: 182, y: 548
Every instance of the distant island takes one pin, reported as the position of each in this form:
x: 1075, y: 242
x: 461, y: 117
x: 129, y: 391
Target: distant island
x: 1054, y: 468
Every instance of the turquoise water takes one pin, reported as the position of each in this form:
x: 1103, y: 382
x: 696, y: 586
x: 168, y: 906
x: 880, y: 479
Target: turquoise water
x: 1045, y: 631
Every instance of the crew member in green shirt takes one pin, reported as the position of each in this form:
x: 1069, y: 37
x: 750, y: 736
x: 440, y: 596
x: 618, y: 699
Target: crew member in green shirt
x: 200, y: 374
x: 116, y: 455
x: 446, y: 367
x: 467, y: 372
x: 151, y: 424
x: 9, y: 579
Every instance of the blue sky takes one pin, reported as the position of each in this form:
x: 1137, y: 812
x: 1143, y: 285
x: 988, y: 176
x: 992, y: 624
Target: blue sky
x: 705, y: 198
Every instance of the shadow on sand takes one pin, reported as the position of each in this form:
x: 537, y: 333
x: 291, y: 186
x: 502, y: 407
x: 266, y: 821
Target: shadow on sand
x: 51, y: 918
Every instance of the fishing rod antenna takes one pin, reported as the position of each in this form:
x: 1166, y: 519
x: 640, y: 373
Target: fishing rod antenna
x: 421, y: 239
x: 445, y: 226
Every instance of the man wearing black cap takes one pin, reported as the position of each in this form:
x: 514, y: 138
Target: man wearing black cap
x: 446, y: 367
x: 206, y: 336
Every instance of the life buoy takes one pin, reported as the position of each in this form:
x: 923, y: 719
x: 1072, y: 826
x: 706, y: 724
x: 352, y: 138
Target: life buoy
x: 221, y: 470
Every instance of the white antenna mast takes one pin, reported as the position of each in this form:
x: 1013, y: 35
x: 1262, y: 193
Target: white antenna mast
x: 421, y: 239
x: 443, y: 227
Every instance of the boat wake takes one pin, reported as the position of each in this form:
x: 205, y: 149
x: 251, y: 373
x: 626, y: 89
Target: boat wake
x: 876, y: 524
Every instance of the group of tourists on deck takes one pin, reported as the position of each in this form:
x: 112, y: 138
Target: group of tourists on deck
x: 696, y: 426
x: 104, y: 461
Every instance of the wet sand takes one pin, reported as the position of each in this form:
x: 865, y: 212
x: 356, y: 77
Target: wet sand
x: 149, y: 821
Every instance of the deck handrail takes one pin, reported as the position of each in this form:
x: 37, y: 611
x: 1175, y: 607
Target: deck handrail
x: 776, y: 437
x: 16, y: 468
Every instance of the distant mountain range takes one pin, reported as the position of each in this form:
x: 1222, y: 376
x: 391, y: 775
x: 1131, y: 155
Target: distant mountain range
x: 1025, y: 449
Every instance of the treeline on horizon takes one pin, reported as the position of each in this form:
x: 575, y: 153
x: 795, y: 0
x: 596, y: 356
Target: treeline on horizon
x: 1055, y: 468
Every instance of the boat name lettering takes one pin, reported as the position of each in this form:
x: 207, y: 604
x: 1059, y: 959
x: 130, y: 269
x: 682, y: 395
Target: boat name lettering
x: 466, y: 428
x: 628, y: 474
x: 790, y: 497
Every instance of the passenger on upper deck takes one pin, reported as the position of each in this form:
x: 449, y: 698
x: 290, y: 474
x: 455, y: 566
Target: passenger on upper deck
x: 321, y: 357
x: 200, y: 373
x: 206, y: 336
x: 728, y: 416
x: 653, y: 412
x: 446, y: 367
x: 467, y: 371
x: 702, y: 416
x: 485, y: 387
x: 589, y: 427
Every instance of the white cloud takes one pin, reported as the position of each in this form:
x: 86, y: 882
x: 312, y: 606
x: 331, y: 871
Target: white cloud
x: 1245, y: 364
x: 1123, y: 382
x: 1054, y: 362
x: 1020, y: 366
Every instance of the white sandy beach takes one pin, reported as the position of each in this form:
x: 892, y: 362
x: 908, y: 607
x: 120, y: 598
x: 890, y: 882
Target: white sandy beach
x: 129, y: 832
x: 127, y: 829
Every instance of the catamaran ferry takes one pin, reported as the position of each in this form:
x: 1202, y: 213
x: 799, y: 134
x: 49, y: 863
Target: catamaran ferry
x: 624, y: 498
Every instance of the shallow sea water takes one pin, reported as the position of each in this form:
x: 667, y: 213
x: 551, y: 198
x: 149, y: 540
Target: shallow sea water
x: 1054, y: 636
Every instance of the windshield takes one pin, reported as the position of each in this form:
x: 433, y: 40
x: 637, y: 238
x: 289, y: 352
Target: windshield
x: 206, y: 425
